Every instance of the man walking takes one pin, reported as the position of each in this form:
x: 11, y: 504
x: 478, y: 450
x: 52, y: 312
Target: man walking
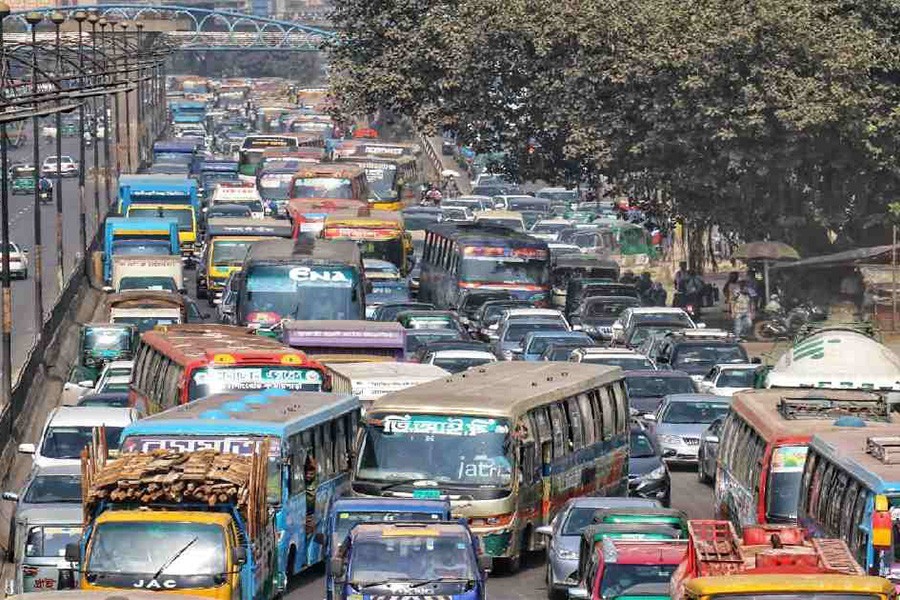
x: 742, y: 309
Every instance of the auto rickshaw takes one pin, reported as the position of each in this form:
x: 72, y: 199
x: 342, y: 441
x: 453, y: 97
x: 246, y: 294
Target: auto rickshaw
x: 21, y: 179
x: 100, y: 343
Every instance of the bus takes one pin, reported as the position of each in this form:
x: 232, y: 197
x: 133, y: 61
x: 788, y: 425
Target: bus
x: 227, y: 243
x: 302, y: 429
x: 763, y: 446
x: 252, y: 150
x: 346, y: 341
x: 379, y: 235
x: 275, y: 174
x: 177, y: 364
x: 328, y: 181
x: 460, y: 257
x: 508, y: 443
x: 850, y: 489
x: 306, y: 279
x: 184, y: 214
x: 391, y: 177
x: 308, y: 215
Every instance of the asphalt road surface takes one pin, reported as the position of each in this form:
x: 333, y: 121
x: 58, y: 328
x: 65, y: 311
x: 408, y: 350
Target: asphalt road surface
x: 687, y: 494
x: 21, y: 226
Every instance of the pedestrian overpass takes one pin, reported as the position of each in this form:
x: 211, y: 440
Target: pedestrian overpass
x: 197, y: 29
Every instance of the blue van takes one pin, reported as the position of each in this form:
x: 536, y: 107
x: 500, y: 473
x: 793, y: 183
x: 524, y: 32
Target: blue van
x: 347, y: 512
x: 436, y: 560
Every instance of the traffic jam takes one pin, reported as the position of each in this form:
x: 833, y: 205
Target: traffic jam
x: 315, y: 354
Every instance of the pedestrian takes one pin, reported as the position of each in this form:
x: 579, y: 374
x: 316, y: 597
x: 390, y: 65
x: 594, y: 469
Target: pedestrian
x: 681, y: 276
x: 729, y: 289
x: 643, y: 284
x: 742, y: 309
x: 658, y: 294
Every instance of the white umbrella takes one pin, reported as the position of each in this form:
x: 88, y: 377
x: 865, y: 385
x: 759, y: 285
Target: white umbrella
x: 449, y: 173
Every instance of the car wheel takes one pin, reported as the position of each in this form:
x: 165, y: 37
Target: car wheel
x: 553, y: 592
x: 701, y: 472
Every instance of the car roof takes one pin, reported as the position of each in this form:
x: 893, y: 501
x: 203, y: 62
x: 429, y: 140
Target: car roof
x: 52, y: 513
x: 462, y: 354
x: 533, y: 312
x: 596, y: 351
x: 643, y: 552
x: 56, y: 470
x: 558, y: 334
x: 639, y: 310
x: 81, y: 416
x: 645, y: 373
x: 609, y: 502
x: 119, y: 364
x: 697, y: 397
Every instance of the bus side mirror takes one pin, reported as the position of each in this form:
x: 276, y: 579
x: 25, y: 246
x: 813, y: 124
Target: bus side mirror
x: 73, y: 552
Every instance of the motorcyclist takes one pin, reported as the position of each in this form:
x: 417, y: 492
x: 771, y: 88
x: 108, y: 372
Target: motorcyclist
x: 45, y: 185
x: 433, y: 195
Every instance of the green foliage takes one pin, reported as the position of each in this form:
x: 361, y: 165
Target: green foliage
x: 769, y: 118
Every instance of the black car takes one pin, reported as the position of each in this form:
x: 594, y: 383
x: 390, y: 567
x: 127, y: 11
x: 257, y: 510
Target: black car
x: 698, y: 351
x: 596, y: 314
x: 472, y: 301
x: 648, y: 476
x: 646, y: 389
x: 389, y: 310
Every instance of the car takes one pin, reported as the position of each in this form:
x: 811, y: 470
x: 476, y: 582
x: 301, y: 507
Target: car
x: 681, y: 419
x: 459, y: 214
x: 473, y: 203
x: 226, y: 303
x: 564, y: 533
x: 21, y: 179
x: 595, y: 315
x: 500, y: 218
x: 389, y: 310
x: 632, y: 569
x: 646, y: 389
x: 49, y: 489
x: 471, y: 301
x: 491, y: 179
x: 628, y: 360
x: 69, y: 429
x: 725, y: 380
x: 548, y: 229
x: 530, y: 313
x: 457, y: 361
x: 228, y: 211
x: 109, y: 399
x: 114, y: 377
x: 415, y: 338
x: 561, y: 350
x: 696, y: 352
x: 648, y: 320
x: 510, y: 334
x: 648, y: 475
x: 708, y: 452
x: 535, y: 342
x: 18, y: 261
x: 380, y: 270
x: 67, y: 166
x: 431, y: 319
x: 486, y: 319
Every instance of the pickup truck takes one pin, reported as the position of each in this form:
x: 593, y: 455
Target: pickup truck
x: 177, y: 523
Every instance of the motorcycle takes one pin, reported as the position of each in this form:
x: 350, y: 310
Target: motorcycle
x: 45, y: 196
x: 781, y: 325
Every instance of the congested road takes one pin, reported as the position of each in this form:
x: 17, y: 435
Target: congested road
x: 21, y: 226
x: 688, y: 495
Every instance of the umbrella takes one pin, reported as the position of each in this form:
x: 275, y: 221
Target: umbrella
x: 449, y: 173
x: 767, y: 253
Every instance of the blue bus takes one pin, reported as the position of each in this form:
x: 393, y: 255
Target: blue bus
x: 850, y: 489
x: 138, y: 235
x: 310, y: 438
x: 459, y: 257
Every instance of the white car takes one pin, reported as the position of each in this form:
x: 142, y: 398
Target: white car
x: 544, y: 314
x: 648, y: 315
x: 18, y: 261
x: 457, y: 361
x: 628, y: 360
x: 473, y: 203
x: 459, y: 214
x: 70, y: 428
x: 67, y: 166
x: 115, y: 377
x: 549, y: 229
x: 725, y: 380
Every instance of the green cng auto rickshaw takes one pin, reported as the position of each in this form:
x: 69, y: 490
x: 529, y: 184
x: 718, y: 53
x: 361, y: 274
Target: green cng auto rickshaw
x: 21, y: 178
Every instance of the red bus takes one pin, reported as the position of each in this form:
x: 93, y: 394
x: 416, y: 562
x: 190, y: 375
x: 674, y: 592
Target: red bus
x: 308, y: 216
x: 763, y: 444
x: 177, y: 364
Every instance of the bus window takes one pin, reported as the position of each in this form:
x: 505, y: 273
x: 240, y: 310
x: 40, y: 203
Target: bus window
x: 587, y: 418
x: 560, y: 443
x: 609, y: 413
x: 574, y: 416
x: 861, y: 538
x: 599, y: 418
x: 846, y: 526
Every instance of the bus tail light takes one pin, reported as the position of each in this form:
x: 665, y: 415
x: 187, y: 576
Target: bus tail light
x: 494, y: 521
x: 881, y: 523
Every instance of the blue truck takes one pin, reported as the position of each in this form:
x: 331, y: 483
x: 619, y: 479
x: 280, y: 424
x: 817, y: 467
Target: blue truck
x: 414, y: 559
x: 157, y: 190
x: 140, y: 236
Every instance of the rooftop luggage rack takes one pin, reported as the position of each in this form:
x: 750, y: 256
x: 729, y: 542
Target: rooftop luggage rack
x: 713, y: 548
x: 885, y: 449
x: 836, y: 556
x: 867, y: 407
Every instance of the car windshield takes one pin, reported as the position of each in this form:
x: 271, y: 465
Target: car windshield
x: 664, y: 318
x: 113, y: 400
x: 166, y: 284
x: 619, y: 577
x: 641, y: 446
x: 322, y: 187
x: 420, y: 221
x: 411, y: 557
x: 628, y: 363
x: 144, y: 546
x: 345, y: 520
x: 692, y: 355
x: 230, y: 253
x: 458, y: 365
x: 578, y: 518
x: 516, y: 332
x: 67, y: 442
x: 563, y: 352
x: 416, y: 338
x: 45, y: 489
x: 50, y: 541
x: 701, y: 412
x: 450, y: 450
x: 641, y: 333
x: 658, y: 386
x: 549, y: 227
x: 736, y: 378
x: 493, y: 312
x: 608, y: 309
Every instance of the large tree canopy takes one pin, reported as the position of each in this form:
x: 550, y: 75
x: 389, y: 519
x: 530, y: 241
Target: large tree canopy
x: 768, y: 117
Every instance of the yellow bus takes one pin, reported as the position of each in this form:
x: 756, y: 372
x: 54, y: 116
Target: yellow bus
x: 380, y: 235
x: 508, y: 444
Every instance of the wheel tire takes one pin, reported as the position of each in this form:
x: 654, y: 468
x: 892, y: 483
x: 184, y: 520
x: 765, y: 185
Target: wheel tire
x: 291, y: 559
x: 553, y: 593
x: 701, y: 473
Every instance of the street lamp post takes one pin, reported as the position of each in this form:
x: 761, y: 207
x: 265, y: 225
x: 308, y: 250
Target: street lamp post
x: 58, y: 19
x: 33, y: 18
x: 110, y: 48
x: 80, y: 17
x: 6, y: 297
x: 142, y: 126
x: 92, y: 19
x: 106, y: 130
x: 125, y: 25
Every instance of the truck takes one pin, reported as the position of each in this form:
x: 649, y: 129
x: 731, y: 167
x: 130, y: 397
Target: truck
x: 145, y: 309
x: 166, y: 196
x: 176, y: 523
x: 372, y: 380
x: 138, y: 236
x: 349, y: 340
x: 146, y: 272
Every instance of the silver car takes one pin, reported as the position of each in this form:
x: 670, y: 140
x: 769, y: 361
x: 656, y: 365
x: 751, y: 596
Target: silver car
x: 681, y: 419
x: 565, y: 537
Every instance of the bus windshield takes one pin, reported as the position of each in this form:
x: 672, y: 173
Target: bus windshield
x: 184, y: 216
x: 450, y: 450
x: 322, y: 187
x: 215, y: 380
x: 381, y: 178
x: 411, y: 557
x: 504, y: 269
x: 389, y: 250
x: 300, y: 292
x: 137, y: 548
x: 230, y: 253
x: 783, y: 488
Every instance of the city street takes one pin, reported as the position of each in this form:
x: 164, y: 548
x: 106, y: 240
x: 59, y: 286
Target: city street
x: 687, y: 494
